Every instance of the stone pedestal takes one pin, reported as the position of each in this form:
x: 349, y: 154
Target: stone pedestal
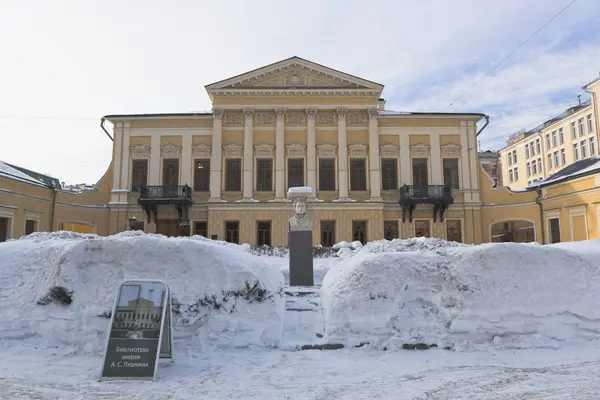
x: 301, y: 258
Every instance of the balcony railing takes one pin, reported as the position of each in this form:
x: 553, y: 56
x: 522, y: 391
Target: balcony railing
x: 166, y: 193
x: 438, y: 195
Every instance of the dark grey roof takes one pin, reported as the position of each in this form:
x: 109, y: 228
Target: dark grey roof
x: 48, y: 180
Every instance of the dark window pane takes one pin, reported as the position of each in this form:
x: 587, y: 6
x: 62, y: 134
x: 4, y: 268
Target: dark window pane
x: 171, y: 173
x: 555, y: 230
x: 453, y: 230
x: 451, y: 172
x: 232, y: 232
x: 327, y: 174
x: 3, y: 229
x: 420, y: 175
x: 264, y: 178
x: 358, y: 175
x: 295, y: 172
x: 139, y: 174
x: 233, y: 175
x: 29, y: 226
x: 389, y: 174
x: 359, y: 231
x: 327, y: 233
x: 390, y: 230
x: 422, y: 228
x: 202, y: 175
x: 264, y: 233
x: 201, y: 228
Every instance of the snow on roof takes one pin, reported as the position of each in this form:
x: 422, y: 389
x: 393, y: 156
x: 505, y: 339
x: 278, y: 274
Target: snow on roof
x: 391, y: 112
x: 305, y: 190
x: 9, y: 172
x: 580, y: 168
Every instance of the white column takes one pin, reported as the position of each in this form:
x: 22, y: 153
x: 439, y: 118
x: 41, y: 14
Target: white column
x: 436, y: 160
x: 342, y: 155
x: 216, y: 156
x: 154, y: 178
x: 118, y: 147
x: 471, y: 128
x: 311, y: 151
x: 248, y: 188
x: 186, y: 161
x: 374, y: 162
x: 405, y: 167
x: 464, y: 159
x: 280, y: 154
x: 125, y: 182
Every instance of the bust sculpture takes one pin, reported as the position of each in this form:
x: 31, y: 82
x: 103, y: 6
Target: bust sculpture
x: 300, y: 220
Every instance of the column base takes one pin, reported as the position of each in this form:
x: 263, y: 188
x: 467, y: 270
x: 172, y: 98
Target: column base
x: 375, y: 200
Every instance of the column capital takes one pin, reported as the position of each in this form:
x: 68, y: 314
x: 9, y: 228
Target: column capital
x: 248, y: 113
x: 311, y: 112
x: 373, y: 113
x: 279, y: 113
x: 342, y: 112
x: 217, y: 113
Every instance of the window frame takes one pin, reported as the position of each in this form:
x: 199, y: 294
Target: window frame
x: 457, y: 160
x: 132, y: 187
x: 356, y: 224
x: 354, y: 176
x: 198, y: 161
x: 268, y: 242
x: 270, y: 171
x: 334, y: 174
x: 428, y: 226
x: 226, y: 175
x: 288, y: 170
x: 394, y: 223
x: 394, y: 183
x: 460, y: 229
x: 196, y: 229
x: 332, y: 223
x: 236, y: 232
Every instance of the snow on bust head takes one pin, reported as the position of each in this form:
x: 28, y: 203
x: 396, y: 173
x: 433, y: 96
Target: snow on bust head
x: 300, y: 191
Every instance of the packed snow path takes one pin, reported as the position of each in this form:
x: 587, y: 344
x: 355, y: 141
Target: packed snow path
x: 303, y: 323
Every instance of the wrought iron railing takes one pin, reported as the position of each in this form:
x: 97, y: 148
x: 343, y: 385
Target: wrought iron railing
x: 425, y: 192
x: 165, y: 192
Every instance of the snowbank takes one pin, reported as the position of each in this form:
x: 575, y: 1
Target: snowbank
x: 458, y: 296
x: 93, y: 266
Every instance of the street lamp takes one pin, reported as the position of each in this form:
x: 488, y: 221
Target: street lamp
x: 132, y: 223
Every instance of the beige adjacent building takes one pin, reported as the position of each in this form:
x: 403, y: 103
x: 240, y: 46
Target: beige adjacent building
x: 532, y: 155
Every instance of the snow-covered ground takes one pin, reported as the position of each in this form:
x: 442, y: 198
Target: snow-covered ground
x: 521, y: 320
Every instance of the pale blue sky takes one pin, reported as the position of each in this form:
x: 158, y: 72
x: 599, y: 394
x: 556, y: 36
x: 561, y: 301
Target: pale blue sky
x: 80, y: 60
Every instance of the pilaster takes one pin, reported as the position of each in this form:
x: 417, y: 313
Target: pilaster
x: 436, y: 160
x: 279, y: 154
x: 248, y: 156
x: 342, y: 154
x: 186, y: 161
x: 216, y: 156
x: 154, y: 178
x: 374, y: 163
x: 311, y: 151
x: 405, y: 167
x: 465, y: 173
x: 125, y: 181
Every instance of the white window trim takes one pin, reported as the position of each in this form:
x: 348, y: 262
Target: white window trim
x: 232, y: 148
x: 269, y: 154
x: 169, y: 152
x: 389, y: 148
x: 462, y: 228
x: 304, y: 172
x: 321, y: 148
x: 579, y: 211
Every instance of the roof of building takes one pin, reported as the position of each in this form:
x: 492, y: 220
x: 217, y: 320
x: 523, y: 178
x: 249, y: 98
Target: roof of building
x: 581, y: 168
x: 591, y: 82
x: 14, y: 172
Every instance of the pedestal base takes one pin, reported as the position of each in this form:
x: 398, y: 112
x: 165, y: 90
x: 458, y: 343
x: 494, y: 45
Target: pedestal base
x: 301, y: 258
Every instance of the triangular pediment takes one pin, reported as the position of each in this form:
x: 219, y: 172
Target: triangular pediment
x: 294, y: 74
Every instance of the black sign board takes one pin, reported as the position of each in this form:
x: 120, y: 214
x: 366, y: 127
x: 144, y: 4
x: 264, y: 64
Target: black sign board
x: 140, y: 331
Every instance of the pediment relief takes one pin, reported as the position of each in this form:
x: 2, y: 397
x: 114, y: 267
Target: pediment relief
x: 139, y: 151
x: 419, y: 150
x: 170, y: 150
x: 263, y: 150
x: 232, y: 151
x: 388, y: 150
x: 201, y: 151
x: 295, y: 150
x: 358, y: 150
x: 451, y: 150
x: 326, y: 150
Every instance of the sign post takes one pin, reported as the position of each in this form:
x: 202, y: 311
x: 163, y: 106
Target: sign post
x: 140, y: 331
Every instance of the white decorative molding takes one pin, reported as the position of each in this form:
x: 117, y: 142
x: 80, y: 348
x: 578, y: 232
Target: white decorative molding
x: 233, y: 118
x: 295, y: 150
x: 326, y: 118
x: 279, y: 112
x: 248, y: 113
x: 326, y: 150
x: 217, y: 113
x: 295, y: 118
x: 341, y: 113
x: 265, y: 118
x: 311, y: 112
x: 232, y: 151
x: 419, y: 150
x: 358, y: 150
x: 139, y: 151
x: 389, y: 151
x: 357, y: 118
x: 170, y: 151
x: 373, y: 113
x: 263, y: 150
x: 451, y: 150
x: 201, y: 151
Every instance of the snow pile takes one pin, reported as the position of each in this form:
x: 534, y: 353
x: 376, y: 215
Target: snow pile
x: 503, y: 295
x: 221, y: 297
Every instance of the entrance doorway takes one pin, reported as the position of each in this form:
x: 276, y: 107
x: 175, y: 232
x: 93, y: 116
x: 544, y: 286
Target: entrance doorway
x: 171, y: 228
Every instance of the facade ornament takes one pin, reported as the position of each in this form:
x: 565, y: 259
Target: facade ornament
x: 295, y: 150
x: 139, y: 151
x: 373, y: 113
x: 451, y: 150
x: 311, y: 112
x: 295, y: 118
x: 217, y: 113
x: 388, y: 151
x: 265, y: 118
x: 326, y: 118
x: 232, y: 151
x: 248, y: 113
x: 342, y: 112
x: 280, y: 112
x: 170, y: 151
x: 201, y: 151
x: 263, y: 150
x: 358, y: 150
x: 357, y: 118
x: 233, y: 118
x: 419, y: 150
x: 326, y: 150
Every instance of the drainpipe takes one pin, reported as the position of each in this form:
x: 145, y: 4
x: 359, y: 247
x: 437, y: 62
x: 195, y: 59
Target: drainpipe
x: 541, y: 206
x: 54, y: 191
x: 487, y: 122
x: 104, y: 129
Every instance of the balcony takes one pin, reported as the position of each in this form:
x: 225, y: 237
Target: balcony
x: 151, y: 196
x: 438, y: 195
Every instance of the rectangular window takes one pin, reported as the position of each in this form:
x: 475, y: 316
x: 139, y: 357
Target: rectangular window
x: 573, y: 130
x: 583, y: 149
x: 422, y: 228
x: 563, y: 156
x: 532, y: 147
x: 548, y: 141
x: 453, y: 230
x: 327, y: 174
x: 515, y: 156
x: 295, y: 172
x: 3, y: 229
x: 554, y: 230
x: 529, y: 169
x: 389, y: 174
x: 516, y: 173
x: 533, y: 168
x: 201, y: 175
x: 592, y: 146
x: 390, y: 230
x: 554, y: 139
x: 538, y: 146
x: 359, y: 231
x: 420, y: 174
x: 201, y: 228
x: 451, y: 172
x: 509, y: 159
x: 232, y: 232
x: 264, y: 175
x: 550, y: 161
x: 233, y: 175
x: 556, y: 160
x: 527, y: 151
x: 263, y: 233
x: 581, y: 127
x: 30, y: 226
x: 561, y: 136
x: 510, y: 176
x: 171, y: 172
x: 327, y: 233
x: 139, y: 174
x: 540, y: 169
x: 575, y: 152
x: 358, y: 174
x: 590, y: 123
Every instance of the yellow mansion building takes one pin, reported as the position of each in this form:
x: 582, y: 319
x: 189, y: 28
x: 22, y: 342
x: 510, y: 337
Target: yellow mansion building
x: 375, y: 173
